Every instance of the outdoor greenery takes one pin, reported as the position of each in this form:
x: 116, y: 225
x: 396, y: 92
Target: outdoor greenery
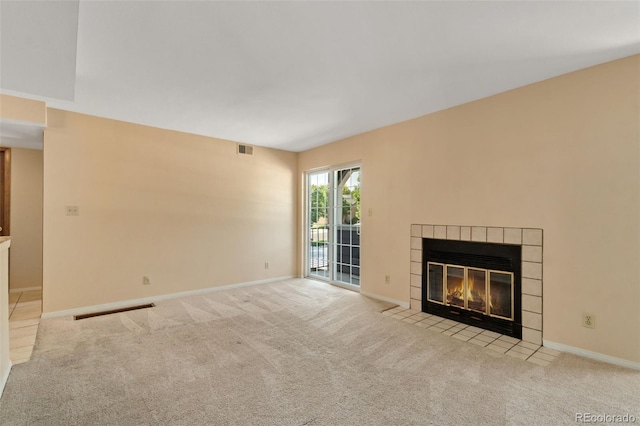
x: 351, y: 215
x: 320, y: 204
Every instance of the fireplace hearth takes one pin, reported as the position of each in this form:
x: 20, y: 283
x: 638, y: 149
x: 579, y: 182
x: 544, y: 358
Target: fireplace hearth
x: 474, y: 283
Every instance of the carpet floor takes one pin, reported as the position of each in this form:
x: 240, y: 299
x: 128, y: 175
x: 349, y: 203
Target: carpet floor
x: 296, y: 352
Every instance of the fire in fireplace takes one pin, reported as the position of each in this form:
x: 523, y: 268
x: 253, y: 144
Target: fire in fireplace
x: 474, y: 283
x: 471, y: 288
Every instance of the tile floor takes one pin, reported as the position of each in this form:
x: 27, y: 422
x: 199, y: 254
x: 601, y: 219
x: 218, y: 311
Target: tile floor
x: 492, y: 341
x: 25, y: 310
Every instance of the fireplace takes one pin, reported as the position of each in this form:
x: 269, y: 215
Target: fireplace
x: 526, y: 308
x: 474, y: 283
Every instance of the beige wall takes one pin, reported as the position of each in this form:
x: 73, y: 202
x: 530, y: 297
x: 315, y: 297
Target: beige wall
x: 562, y: 155
x: 184, y: 209
x: 26, y: 218
x: 19, y: 109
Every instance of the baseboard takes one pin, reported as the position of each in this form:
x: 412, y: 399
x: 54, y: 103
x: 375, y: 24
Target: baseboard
x: 152, y: 299
x: 385, y: 299
x: 5, y: 377
x: 20, y: 290
x: 591, y: 355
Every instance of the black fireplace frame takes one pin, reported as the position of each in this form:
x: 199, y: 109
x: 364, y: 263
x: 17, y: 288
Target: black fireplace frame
x: 494, y: 256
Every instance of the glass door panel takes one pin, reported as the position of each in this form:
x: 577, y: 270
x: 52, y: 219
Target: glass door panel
x: 435, y: 282
x: 501, y: 294
x: 346, y: 217
x: 455, y: 286
x: 318, y: 209
x: 477, y: 290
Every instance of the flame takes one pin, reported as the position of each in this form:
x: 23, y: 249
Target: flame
x: 470, y: 289
x: 476, y: 294
x: 455, y: 292
x: 467, y: 292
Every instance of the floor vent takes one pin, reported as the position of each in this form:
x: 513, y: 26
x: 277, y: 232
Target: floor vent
x: 113, y: 311
x: 245, y: 149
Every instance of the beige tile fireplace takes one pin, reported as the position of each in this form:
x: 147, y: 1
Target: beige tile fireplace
x: 530, y: 239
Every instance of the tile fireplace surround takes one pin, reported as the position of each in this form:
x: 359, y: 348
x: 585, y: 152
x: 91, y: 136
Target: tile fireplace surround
x: 530, y: 239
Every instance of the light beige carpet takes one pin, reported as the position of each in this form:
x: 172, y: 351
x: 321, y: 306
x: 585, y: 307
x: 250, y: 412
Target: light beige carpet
x: 297, y: 352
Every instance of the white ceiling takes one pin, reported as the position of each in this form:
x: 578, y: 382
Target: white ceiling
x: 14, y: 134
x: 294, y: 75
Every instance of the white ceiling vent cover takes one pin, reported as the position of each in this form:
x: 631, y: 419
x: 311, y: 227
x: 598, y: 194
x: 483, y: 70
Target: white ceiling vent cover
x: 245, y: 149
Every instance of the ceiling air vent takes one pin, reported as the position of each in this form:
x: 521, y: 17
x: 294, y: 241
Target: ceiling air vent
x: 245, y: 149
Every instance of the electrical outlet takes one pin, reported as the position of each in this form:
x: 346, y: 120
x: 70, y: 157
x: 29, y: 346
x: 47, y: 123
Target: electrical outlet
x: 72, y: 210
x: 588, y: 320
x: 387, y: 279
x: 267, y: 264
x: 146, y: 280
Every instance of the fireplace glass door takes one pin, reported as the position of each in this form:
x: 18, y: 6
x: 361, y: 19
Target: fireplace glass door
x: 436, y: 282
x: 455, y: 286
x: 473, y: 283
x: 501, y: 291
x: 479, y: 290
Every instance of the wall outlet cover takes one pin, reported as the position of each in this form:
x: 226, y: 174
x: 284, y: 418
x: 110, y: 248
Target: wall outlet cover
x: 588, y: 320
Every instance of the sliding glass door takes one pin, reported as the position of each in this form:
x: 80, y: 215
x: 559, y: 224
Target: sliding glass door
x: 333, y: 225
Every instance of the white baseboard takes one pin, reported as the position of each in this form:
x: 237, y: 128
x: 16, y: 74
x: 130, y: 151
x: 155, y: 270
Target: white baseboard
x: 4, y: 378
x: 385, y: 299
x: 152, y: 299
x: 21, y: 289
x: 592, y: 355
